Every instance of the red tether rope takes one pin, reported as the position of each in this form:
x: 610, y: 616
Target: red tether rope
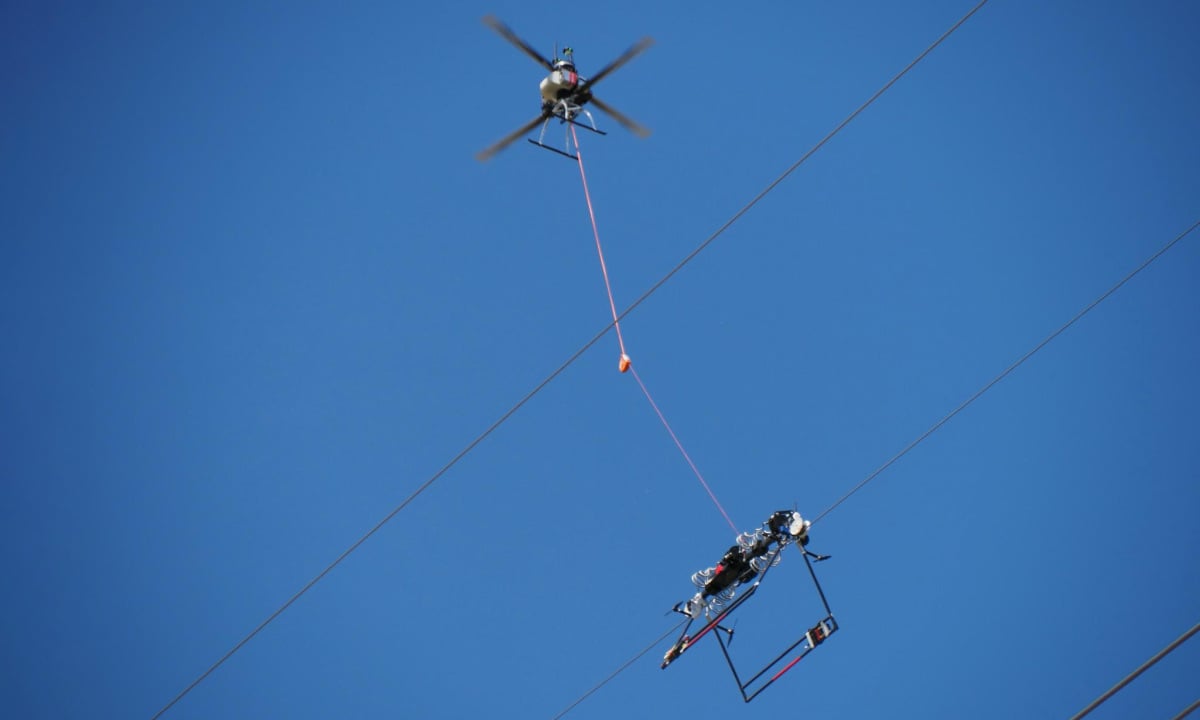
x: 679, y: 445
x: 626, y: 364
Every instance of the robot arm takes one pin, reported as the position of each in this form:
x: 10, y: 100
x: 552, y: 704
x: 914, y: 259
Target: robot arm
x: 790, y: 522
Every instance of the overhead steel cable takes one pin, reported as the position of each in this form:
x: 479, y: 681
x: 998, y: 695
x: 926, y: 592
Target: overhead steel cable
x: 379, y: 525
x: 1141, y: 669
x: 1157, y: 254
x: 1187, y: 710
x: 803, y: 158
x: 618, y: 671
x: 1008, y: 370
x: 569, y: 361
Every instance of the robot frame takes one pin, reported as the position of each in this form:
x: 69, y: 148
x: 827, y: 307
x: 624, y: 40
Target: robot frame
x: 758, y: 559
x: 564, y: 93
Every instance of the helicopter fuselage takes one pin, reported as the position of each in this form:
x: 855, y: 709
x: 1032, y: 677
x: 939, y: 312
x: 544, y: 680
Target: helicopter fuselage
x: 564, y: 94
x: 558, y: 84
x: 562, y: 85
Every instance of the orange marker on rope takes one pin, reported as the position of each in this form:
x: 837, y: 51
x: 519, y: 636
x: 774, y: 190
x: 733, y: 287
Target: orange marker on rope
x: 623, y: 366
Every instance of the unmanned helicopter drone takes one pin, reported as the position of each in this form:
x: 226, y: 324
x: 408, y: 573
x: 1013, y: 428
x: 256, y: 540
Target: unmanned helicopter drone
x: 564, y: 92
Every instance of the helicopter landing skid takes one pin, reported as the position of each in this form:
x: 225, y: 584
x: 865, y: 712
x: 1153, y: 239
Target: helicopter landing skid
x: 566, y: 115
x: 575, y: 122
x: 554, y: 149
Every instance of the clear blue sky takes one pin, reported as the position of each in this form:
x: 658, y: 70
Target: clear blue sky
x: 255, y: 290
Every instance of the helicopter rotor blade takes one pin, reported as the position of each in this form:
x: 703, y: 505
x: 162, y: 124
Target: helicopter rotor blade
x: 505, y: 32
x: 633, y: 127
x: 485, y: 155
x: 628, y: 55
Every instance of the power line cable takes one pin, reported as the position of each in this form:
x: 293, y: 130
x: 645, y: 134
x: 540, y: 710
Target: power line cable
x: 1005, y: 373
x: 1141, y: 669
x: 1187, y: 710
x: 379, y: 525
x: 571, y: 360
x: 618, y: 671
x: 737, y: 216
